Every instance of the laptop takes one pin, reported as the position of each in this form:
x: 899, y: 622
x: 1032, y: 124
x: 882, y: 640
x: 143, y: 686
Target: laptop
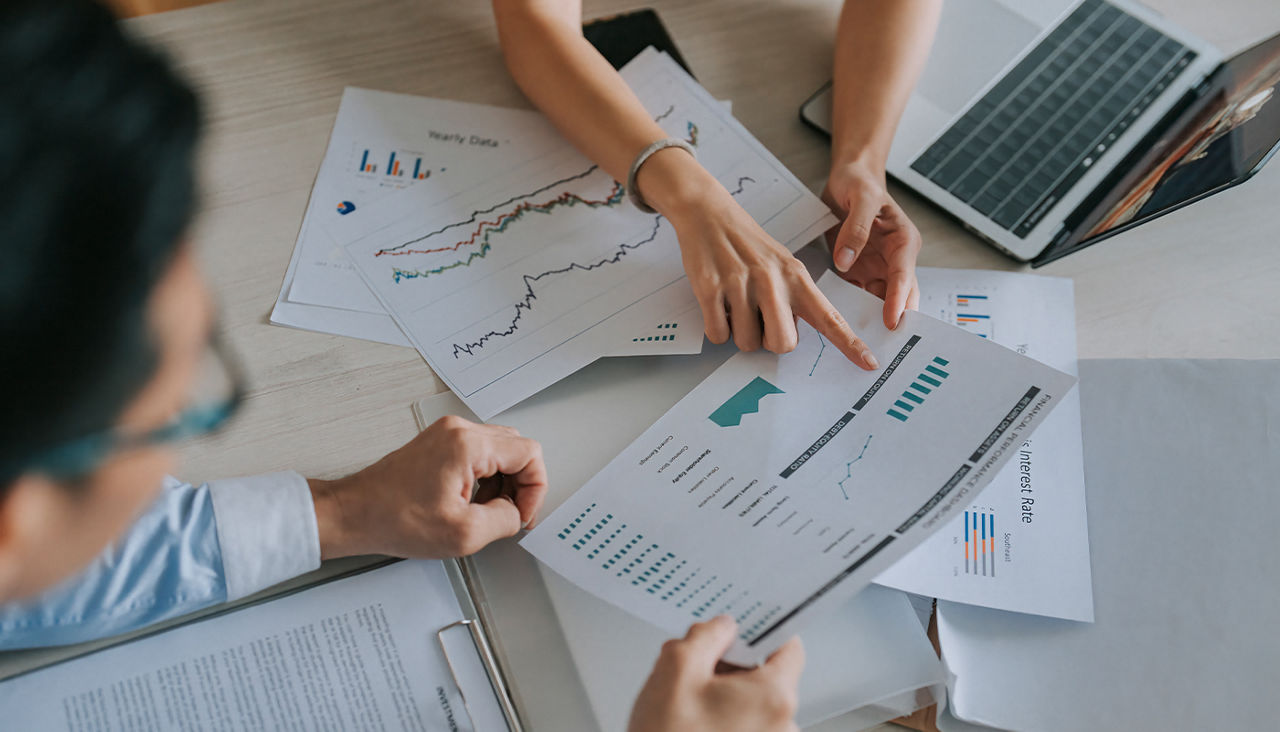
x: 1046, y: 126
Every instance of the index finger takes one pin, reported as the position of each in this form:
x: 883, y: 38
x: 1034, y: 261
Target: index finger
x: 818, y: 311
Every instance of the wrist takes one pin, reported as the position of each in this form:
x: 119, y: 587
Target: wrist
x: 331, y: 520
x: 675, y: 184
x: 861, y: 163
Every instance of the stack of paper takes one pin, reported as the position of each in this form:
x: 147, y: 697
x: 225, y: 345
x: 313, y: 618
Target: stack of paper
x: 513, y: 271
x: 380, y: 650
x: 1025, y: 546
x: 784, y: 484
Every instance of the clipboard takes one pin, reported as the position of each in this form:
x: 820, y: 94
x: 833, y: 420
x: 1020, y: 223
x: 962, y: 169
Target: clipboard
x: 477, y: 622
x: 463, y: 652
x: 475, y: 627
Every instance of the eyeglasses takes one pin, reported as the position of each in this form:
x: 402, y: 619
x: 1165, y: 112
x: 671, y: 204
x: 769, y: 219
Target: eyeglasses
x: 214, y: 397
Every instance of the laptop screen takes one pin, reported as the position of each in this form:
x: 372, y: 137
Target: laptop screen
x: 1220, y: 140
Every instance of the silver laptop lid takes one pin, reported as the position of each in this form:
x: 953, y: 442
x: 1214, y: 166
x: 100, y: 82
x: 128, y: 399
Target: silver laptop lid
x: 1002, y: 73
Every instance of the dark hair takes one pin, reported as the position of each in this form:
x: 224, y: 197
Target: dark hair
x: 97, y: 143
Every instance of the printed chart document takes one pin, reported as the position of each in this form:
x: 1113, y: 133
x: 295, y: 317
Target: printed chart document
x: 382, y: 143
x: 359, y: 653
x: 783, y: 484
x: 1025, y: 546
x: 503, y: 287
x: 440, y: 144
x: 613, y: 651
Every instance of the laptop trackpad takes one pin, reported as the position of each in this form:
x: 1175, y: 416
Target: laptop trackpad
x: 976, y: 40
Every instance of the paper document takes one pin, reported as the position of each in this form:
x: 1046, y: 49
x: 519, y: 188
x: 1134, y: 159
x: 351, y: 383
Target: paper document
x: 783, y: 484
x: 357, y: 653
x: 441, y: 145
x: 1025, y: 546
x: 614, y: 652
x: 1178, y: 454
x: 383, y: 142
x: 503, y: 287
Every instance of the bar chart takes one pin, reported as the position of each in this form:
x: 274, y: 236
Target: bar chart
x: 397, y: 165
x: 921, y: 387
x: 973, y: 314
x: 980, y: 543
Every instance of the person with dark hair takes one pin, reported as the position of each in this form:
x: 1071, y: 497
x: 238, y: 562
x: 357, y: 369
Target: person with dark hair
x: 109, y: 357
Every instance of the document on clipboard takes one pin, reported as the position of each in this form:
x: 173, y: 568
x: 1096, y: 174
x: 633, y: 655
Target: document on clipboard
x: 398, y: 647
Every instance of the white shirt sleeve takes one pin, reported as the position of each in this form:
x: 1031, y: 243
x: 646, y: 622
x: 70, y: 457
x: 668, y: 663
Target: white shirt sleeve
x: 266, y: 528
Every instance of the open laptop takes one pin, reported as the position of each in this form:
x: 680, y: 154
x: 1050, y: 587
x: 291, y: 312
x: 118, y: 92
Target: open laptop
x: 1045, y: 126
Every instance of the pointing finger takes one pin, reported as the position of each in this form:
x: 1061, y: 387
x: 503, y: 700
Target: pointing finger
x: 818, y: 311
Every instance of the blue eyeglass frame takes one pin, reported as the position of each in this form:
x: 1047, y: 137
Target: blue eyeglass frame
x: 83, y: 455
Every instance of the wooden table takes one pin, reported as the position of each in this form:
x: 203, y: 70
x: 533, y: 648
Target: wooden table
x: 1201, y: 282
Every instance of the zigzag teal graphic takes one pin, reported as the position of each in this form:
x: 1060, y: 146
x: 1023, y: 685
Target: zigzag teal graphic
x: 746, y: 401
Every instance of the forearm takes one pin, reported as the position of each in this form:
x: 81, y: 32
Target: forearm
x: 572, y: 83
x: 589, y: 102
x: 881, y: 47
x: 169, y: 564
x: 196, y: 546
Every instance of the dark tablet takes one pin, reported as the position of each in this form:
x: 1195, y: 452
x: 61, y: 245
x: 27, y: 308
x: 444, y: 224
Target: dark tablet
x: 620, y: 38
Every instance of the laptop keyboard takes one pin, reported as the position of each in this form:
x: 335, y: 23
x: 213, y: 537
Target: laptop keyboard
x: 1029, y: 139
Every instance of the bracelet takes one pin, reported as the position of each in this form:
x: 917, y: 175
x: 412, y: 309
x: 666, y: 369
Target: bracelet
x: 636, y: 199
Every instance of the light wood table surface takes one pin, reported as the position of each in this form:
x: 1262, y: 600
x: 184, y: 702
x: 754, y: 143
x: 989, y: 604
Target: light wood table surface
x: 1199, y: 283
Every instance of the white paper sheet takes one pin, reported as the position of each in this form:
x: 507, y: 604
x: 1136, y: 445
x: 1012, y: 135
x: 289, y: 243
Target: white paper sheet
x: 451, y: 145
x: 437, y: 145
x: 378, y: 327
x: 356, y: 653
x: 444, y: 146
x: 497, y: 285
x: 784, y: 484
x: 1182, y: 459
x: 1025, y: 546
x: 866, y: 662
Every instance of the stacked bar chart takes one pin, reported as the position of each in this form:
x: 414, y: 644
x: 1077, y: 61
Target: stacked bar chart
x: 980, y: 543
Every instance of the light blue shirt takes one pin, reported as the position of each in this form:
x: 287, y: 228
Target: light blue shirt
x: 196, y: 546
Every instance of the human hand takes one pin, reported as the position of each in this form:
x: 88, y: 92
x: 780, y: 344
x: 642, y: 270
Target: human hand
x: 748, y: 285
x: 876, y: 245
x: 418, y: 501
x: 685, y: 692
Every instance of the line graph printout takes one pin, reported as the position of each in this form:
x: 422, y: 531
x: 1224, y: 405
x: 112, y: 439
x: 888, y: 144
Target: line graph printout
x: 732, y: 503
x: 497, y: 284
x: 383, y: 142
x: 1025, y: 547
x: 451, y: 146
